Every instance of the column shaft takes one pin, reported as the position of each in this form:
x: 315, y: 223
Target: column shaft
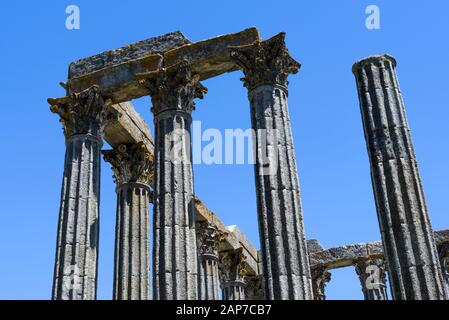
x: 208, y: 279
x: 285, y: 260
x: 234, y: 290
x: 131, y: 275
x: 409, y: 246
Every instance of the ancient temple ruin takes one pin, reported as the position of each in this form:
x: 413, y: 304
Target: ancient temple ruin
x: 194, y: 255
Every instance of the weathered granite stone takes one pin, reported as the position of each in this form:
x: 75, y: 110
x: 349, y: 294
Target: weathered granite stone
x: 208, y: 239
x: 138, y: 50
x: 84, y: 116
x: 313, y: 246
x: 115, y: 71
x: 174, y: 253
x: 266, y: 66
x: 254, y: 289
x: 320, y: 278
x: 232, y: 274
x: 373, y: 278
x: 443, y: 253
x: 131, y: 165
x: 410, y: 250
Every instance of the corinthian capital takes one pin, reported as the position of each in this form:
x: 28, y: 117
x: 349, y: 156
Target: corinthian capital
x: 320, y: 278
x: 232, y: 265
x: 208, y: 237
x: 173, y: 88
x: 130, y: 163
x: 265, y: 62
x: 86, y: 112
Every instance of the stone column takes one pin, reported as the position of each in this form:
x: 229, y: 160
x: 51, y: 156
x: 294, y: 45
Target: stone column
x: 174, y: 252
x: 320, y: 278
x: 254, y: 289
x: 443, y: 252
x: 208, y: 238
x: 131, y: 165
x: 232, y: 274
x: 373, y: 278
x: 84, y: 116
x: 266, y: 66
x: 408, y: 242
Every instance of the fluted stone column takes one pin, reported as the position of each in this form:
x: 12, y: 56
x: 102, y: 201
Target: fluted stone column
x: 232, y: 274
x: 443, y: 252
x: 373, y: 278
x: 320, y: 278
x: 131, y: 165
x: 409, y: 246
x: 84, y: 116
x: 266, y: 66
x: 208, y: 238
x: 174, y: 252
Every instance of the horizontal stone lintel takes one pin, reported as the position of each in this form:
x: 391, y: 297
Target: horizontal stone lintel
x: 347, y: 256
x: 208, y: 58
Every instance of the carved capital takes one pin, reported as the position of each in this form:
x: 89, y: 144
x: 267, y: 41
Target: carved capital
x: 130, y: 164
x: 320, y: 278
x: 86, y: 112
x: 174, y: 88
x: 232, y: 266
x: 208, y: 238
x: 265, y: 62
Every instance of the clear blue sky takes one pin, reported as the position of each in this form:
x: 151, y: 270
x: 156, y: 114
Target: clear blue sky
x: 327, y: 37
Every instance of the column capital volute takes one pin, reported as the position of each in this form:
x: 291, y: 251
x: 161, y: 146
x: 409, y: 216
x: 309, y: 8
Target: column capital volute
x: 131, y: 163
x: 84, y: 113
x: 265, y: 62
x: 173, y: 88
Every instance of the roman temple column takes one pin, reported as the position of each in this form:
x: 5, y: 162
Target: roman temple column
x: 174, y: 251
x: 410, y: 251
x: 84, y: 116
x: 266, y: 66
x: 232, y: 274
x: 208, y: 238
x: 373, y: 278
x: 131, y: 165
